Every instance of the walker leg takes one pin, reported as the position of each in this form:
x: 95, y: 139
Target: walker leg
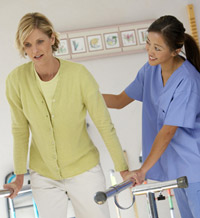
x: 153, y: 213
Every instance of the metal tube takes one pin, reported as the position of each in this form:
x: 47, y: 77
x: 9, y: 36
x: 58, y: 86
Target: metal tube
x: 101, y: 197
x: 6, y: 193
x: 153, y: 213
x: 160, y: 186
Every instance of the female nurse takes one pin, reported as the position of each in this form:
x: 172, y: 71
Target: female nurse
x: 50, y: 98
x: 169, y: 87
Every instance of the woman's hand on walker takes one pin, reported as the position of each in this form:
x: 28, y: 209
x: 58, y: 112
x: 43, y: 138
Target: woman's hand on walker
x: 15, y: 186
x: 127, y: 175
x: 137, y: 176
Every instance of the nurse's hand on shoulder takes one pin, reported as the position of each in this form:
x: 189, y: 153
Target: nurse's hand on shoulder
x: 15, y: 186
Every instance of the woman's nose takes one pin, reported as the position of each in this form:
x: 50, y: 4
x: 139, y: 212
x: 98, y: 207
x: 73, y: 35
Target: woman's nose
x: 34, y: 49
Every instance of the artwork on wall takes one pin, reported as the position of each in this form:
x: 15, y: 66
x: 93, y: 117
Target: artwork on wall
x: 129, y: 38
x: 142, y: 34
x: 95, y: 43
x: 103, y: 41
x: 78, y: 45
x: 111, y: 40
x: 63, y: 48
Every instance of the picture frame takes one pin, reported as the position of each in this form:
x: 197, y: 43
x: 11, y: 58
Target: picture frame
x: 111, y: 40
x: 94, y: 42
x: 142, y: 35
x: 63, y: 48
x: 78, y: 45
x: 128, y: 38
x: 104, y: 41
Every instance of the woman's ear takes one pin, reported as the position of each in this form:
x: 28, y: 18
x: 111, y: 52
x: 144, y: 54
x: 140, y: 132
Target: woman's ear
x: 52, y: 39
x: 176, y: 52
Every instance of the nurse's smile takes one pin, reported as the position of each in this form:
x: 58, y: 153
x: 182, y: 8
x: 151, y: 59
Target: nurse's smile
x: 152, y: 58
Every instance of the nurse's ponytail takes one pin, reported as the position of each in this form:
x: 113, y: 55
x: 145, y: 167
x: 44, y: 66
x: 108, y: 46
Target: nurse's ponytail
x: 175, y: 37
x: 192, y: 51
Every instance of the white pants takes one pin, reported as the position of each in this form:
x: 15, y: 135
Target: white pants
x: 52, y: 201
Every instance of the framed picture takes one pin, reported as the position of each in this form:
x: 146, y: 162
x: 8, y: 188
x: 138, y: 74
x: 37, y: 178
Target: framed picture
x: 78, y: 45
x: 105, y: 41
x: 94, y: 43
x: 142, y: 35
x: 111, y: 40
x: 128, y: 38
x: 63, y: 48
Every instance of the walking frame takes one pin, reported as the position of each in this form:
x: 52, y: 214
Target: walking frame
x: 145, y: 189
x: 25, y: 191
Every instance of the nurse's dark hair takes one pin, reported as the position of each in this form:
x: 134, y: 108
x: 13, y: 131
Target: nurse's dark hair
x: 175, y: 37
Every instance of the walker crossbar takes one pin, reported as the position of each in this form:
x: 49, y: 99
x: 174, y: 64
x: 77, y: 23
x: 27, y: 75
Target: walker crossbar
x: 101, y: 197
x: 6, y: 192
x: 160, y: 186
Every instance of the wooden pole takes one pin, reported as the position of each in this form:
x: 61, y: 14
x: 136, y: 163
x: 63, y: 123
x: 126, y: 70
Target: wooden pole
x: 193, y: 26
x: 114, y: 182
x: 135, y: 204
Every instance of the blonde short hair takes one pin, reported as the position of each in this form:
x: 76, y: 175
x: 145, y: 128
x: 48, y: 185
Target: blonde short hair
x: 32, y: 21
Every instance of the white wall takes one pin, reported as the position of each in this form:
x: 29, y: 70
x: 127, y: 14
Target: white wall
x: 113, y: 74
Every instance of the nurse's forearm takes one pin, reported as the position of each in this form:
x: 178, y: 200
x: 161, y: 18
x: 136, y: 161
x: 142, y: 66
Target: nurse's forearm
x: 160, y: 144
x: 117, y: 101
x: 111, y: 100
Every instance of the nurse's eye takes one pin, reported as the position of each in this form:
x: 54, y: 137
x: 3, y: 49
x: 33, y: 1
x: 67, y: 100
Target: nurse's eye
x: 157, y: 49
x: 147, y: 42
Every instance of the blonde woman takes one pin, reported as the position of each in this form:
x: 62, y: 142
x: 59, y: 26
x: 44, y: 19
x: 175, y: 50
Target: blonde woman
x: 50, y: 97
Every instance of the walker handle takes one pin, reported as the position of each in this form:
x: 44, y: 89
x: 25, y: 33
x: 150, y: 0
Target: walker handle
x: 101, y: 197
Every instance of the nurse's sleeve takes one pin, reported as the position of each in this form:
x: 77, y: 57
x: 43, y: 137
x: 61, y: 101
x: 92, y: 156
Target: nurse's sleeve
x: 135, y: 89
x: 184, y: 108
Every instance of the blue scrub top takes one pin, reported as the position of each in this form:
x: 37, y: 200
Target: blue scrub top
x: 177, y: 104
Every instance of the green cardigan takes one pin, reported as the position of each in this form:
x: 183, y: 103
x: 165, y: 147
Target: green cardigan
x: 60, y: 145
